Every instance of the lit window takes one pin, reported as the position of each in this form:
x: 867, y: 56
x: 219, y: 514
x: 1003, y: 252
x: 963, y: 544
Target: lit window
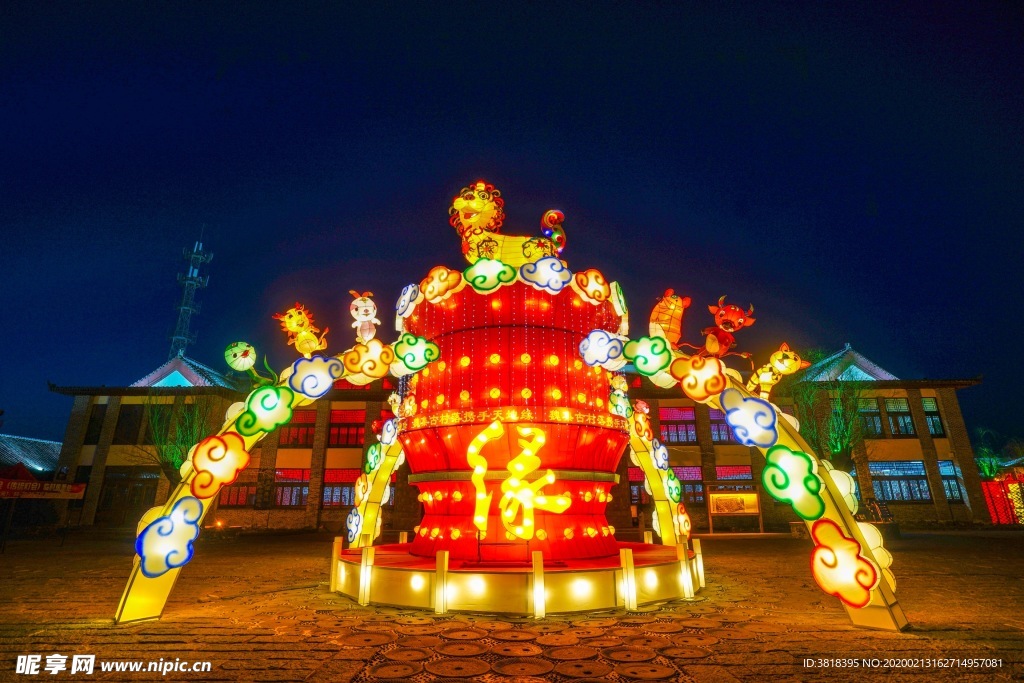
x: 733, y: 472
x: 870, y: 417
x: 291, y: 487
x: 901, y: 424
x: 720, y: 430
x: 678, y: 425
x: 347, y: 428
x: 237, y: 495
x: 900, y: 481
x: 299, y: 431
x: 952, y: 481
x: 691, y: 478
x: 932, y: 417
x: 339, y: 487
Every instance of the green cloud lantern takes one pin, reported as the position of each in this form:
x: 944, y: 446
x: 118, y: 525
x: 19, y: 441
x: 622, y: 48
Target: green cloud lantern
x: 415, y: 353
x: 791, y: 477
x: 265, y: 408
x: 486, y: 275
x: 650, y: 355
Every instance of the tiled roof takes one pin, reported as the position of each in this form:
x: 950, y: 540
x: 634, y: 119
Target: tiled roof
x: 37, y: 455
x: 845, y: 364
x: 191, y: 372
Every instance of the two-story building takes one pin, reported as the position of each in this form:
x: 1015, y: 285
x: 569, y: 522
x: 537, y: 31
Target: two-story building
x: 915, y: 455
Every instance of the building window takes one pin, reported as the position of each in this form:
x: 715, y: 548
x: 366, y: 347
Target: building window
x: 337, y: 496
x: 678, y: 425
x: 238, y: 495
x: 92, y: 431
x: 292, y: 488
x: 692, y: 480
x: 300, y: 431
x: 637, y: 492
x: 340, y: 491
x: 952, y: 480
x: 720, y: 430
x: 932, y: 417
x: 901, y: 424
x: 384, y: 384
x: 347, y: 428
x: 733, y: 472
x: 129, y: 422
x: 339, y: 487
x: 900, y: 481
x: 870, y: 417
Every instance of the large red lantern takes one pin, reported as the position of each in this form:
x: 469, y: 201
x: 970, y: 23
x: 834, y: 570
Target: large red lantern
x: 511, y: 364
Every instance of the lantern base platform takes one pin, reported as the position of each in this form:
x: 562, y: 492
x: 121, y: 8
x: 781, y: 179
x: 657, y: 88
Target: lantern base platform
x: 394, y: 577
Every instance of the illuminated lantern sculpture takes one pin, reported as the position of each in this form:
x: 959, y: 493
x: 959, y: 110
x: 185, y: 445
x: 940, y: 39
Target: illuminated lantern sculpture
x: 667, y: 317
x: 513, y: 421
x: 719, y: 340
x: 240, y: 356
x: 364, y: 311
x: 298, y: 323
x: 783, y: 362
x: 477, y: 214
x: 544, y: 445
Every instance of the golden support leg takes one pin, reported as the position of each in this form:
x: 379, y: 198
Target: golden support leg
x: 440, y: 583
x: 365, y: 575
x: 539, y: 596
x: 698, y: 558
x: 628, y: 578
x: 686, y: 570
x: 335, y: 562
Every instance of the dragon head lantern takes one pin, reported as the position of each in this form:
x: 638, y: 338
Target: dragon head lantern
x: 477, y: 208
x: 298, y: 323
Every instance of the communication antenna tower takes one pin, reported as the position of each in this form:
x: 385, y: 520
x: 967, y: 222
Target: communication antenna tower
x: 190, y: 282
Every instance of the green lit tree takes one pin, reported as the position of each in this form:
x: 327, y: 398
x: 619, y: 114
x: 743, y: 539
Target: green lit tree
x: 829, y: 413
x: 987, y: 451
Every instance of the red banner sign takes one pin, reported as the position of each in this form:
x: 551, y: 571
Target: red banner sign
x: 15, y: 488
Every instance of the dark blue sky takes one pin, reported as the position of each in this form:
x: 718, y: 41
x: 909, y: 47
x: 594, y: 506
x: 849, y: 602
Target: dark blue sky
x: 854, y: 172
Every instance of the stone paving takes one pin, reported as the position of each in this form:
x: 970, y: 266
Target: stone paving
x: 259, y: 610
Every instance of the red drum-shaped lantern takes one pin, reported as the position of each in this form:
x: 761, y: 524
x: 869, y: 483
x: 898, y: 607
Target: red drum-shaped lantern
x: 512, y: 445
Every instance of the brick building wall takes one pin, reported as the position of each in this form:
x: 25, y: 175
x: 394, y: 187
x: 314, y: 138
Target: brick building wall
x: 405, y: 512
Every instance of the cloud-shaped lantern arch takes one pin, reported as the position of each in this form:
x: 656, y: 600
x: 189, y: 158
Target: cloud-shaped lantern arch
x: 548, y: 274
x: 217, y: 460
x: 314, y: 377
x: 167, y: 542
x: 753, y: 420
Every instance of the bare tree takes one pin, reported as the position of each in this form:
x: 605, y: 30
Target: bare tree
x: 171, y: 429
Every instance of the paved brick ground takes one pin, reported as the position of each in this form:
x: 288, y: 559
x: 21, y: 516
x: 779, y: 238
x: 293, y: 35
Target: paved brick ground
x: 259, y: 610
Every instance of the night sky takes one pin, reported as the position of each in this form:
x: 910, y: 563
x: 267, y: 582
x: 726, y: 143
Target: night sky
x: 854, y: 171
